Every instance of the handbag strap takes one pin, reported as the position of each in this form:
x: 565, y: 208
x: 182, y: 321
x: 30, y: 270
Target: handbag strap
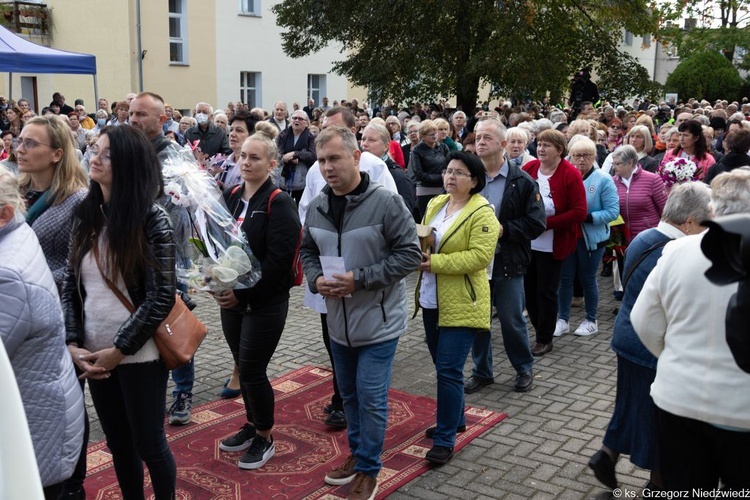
x: 125, y: 302
x: 641, y: 258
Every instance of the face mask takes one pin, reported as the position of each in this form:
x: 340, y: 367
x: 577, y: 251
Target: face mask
x: 201, y: 118
x: 101, y: 122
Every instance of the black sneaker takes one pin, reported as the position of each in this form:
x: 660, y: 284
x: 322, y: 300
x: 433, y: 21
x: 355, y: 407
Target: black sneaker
x: 439, y: 455
x: 240, y: 441
x: 337, y: 419
x: 179, y: 412
x: 258, y: 454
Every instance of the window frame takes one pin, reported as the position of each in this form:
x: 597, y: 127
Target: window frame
x: 254, y: 12
x: 255, y: 89
x: 182, y: 40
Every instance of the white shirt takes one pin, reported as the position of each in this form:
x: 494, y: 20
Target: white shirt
x: 545, y: 241
x: 428, y: 289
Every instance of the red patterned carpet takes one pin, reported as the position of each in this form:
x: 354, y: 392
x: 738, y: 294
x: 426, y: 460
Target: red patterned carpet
x: 305, y: 448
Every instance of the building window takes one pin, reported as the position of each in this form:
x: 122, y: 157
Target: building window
x: 250, y: 88
x: 628, y: 38
x: 250, y: 7
x: 646, y: 41
x: 316, y: 87
x: 178, y: 52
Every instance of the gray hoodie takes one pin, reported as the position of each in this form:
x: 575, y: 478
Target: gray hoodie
x: 379, y: 243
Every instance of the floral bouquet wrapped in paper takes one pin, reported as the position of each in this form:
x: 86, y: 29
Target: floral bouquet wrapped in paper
x: 214, y: 255
x: 678, y: 171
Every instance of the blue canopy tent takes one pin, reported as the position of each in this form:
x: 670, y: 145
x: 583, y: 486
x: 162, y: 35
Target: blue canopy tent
x: 18, y: 55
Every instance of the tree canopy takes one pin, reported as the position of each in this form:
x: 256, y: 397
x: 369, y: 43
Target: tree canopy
x: 705, y: 75
x: 410, y: 50
x: 720, y: 26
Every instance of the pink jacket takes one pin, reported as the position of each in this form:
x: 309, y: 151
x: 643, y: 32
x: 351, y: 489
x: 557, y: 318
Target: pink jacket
x: 641, y: 205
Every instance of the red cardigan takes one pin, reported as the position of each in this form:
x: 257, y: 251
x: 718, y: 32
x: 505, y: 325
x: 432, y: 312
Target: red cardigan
x: 569, y: 197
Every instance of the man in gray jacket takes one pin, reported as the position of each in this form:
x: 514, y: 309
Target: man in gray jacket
x: 371, y: 229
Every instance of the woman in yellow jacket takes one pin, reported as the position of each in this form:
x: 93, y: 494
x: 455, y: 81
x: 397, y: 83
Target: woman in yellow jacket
x: 453, y: 289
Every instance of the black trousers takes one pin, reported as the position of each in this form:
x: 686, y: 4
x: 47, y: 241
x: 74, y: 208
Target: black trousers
x: 695, y: 454
x: 541, y: 283
x: 336, y: 402
x: 252, y: 337
x: 131, y: 408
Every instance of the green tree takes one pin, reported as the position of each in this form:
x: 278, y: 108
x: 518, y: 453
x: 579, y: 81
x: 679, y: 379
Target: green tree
x: 705, y: 75
x: 418, y: 50
x: 721, y: 26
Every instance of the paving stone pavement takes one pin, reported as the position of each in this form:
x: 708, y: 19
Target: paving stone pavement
x: 539, y: 452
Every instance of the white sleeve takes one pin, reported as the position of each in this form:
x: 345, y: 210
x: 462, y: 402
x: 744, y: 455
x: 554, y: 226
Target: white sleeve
x: 310, y: 192
x: 377, y: 170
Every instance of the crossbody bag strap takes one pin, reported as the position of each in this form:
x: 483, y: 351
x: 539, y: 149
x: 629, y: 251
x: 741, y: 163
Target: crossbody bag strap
x: 640, y: 259
x: 125, y: 302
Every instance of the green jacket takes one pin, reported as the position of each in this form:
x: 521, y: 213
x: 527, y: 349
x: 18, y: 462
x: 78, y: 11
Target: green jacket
x: 460, y: 264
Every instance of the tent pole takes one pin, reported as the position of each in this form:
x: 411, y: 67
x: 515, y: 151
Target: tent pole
x: 96, y: 94
x: 10, y: 87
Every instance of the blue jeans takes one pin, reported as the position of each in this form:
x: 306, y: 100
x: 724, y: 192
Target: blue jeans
x: 364, y: 376
x: 183, y: 376
x: 449, y: 347
x: 509, y: 300
x: 587, y: 264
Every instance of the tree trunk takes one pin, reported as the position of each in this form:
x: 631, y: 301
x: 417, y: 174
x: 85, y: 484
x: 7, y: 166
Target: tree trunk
x: 467, y: 92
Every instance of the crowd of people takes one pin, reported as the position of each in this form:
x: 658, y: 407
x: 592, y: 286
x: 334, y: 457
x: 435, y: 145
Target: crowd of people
x: 518, y: 209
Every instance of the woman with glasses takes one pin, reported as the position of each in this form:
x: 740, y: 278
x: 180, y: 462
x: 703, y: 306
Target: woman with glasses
x: 410, y: 141
x: 53, y: 184
x: 603, y: 206
x: 122, y: 250
x: 296, y: 154
x: 614, y: 134
x: 453, y: 289
x: 426, y: 163
x: 640, y: 138
x: 561, y: 188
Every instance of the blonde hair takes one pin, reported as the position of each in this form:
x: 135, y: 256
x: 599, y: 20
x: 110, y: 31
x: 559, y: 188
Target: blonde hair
x: 9, y: 192
x: 68, y: 177
x: 582, y: 127
x: 647, y: 122
x: 427, y: 127
x: 642, y: 130
x: 267, y: 129
x: 272, y: 151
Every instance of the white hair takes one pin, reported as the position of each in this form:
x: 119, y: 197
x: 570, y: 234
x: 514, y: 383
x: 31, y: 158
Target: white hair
x: 543, y: 124
x: 518, y: 132
x: 211, y: 108
x: 730, y: 192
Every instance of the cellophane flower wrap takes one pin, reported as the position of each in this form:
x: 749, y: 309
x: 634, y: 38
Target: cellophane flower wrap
x: 678, y: 171
x: 215, y: 255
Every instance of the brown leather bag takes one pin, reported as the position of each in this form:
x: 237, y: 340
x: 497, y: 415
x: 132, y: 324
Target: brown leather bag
x: 178, y: 336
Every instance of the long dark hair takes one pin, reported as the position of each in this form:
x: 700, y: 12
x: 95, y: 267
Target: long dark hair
x: 136, y: 183
x: 695, y: 128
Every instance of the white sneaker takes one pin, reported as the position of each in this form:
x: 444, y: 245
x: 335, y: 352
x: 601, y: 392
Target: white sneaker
x: 587, y: 328
x: 561, y: 328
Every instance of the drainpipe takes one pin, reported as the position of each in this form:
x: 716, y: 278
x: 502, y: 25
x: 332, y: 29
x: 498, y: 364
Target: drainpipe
x: 140, y: 48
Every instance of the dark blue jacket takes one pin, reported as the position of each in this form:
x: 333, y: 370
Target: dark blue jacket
x: 625, y: 341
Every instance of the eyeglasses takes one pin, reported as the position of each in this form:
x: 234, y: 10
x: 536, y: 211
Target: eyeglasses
x: 299, y: 118
x: 95, y: 151
x: 581, y: 156
x: 615, y: 127
x: 456, y: 173
x: 31, y: 143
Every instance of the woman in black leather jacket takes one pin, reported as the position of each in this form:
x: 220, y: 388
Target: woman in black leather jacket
x: 426, y: 163
x: 119, y: 232
x: 253, y: 318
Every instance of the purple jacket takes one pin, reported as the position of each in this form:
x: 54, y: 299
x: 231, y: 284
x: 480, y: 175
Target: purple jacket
x: 641, y: 205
